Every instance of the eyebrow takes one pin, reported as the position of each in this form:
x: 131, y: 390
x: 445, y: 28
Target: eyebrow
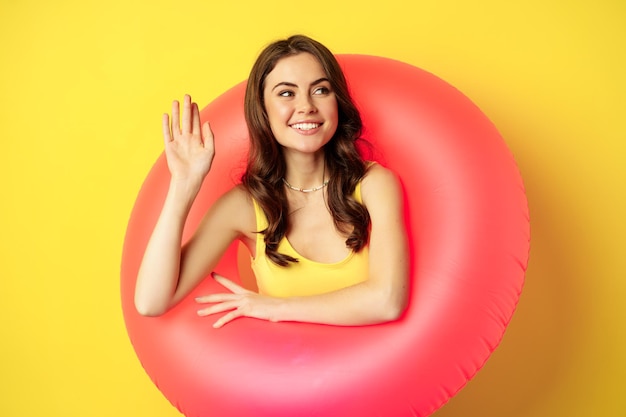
x: 288, y: 84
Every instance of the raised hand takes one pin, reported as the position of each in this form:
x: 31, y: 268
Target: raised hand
x: 189, y: 148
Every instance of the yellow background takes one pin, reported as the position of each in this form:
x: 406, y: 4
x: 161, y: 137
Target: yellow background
x: 83, y: 85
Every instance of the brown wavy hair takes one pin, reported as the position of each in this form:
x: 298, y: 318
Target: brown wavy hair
x: 266, y: 164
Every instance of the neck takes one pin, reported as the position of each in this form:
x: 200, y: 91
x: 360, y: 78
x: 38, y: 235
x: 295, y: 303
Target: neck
x: 306, y: 172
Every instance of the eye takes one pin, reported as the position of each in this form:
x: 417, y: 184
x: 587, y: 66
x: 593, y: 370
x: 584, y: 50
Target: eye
x: 321, y: 91
x: 286, y: 93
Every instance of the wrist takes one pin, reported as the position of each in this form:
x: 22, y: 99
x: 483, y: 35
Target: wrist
x: 182, y: 193
x: 284, y: 310
x: 185, y: 187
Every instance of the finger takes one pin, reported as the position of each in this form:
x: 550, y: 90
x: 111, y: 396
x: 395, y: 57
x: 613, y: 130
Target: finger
x: 226, y: 318
x: 195, y: 119
x: 217, y: 298
x: 186, y: 128
x: 175, y: 118
x: 219, y: 308
x: 207, y: 135
x: 167, y: 134
x: 230, y: 285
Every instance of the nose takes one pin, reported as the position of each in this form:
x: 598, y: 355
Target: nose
x: 306, y: 104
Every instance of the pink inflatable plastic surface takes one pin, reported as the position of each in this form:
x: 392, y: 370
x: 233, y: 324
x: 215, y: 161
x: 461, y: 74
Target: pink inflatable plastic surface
x: 468, y: 224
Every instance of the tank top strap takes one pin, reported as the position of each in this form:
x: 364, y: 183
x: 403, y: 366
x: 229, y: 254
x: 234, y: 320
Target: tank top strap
x: 261, y: 224
x: 357, y: 193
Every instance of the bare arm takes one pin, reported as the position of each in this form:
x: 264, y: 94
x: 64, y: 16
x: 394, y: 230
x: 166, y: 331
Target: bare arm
x: 382, y: 297
x: 168, y: 272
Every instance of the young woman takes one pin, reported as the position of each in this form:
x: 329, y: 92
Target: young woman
x: 324, y: 228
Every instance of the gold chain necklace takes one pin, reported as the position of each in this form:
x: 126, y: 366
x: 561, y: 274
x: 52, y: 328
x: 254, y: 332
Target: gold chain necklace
x: 305, y: 190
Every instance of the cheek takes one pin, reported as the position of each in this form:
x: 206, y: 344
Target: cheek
x: 333, y: 114
x: 332, y: 108
x: 276, y: 113
x: 277, y: 117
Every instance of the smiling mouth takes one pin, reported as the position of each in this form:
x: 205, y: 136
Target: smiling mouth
x: 306, y: 126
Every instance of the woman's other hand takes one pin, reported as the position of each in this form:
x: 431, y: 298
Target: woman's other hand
x: 239, y: 302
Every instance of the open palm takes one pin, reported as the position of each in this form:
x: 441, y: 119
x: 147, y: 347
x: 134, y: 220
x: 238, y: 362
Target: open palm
x: 189, y: 148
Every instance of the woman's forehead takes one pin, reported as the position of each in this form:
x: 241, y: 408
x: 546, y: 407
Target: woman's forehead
x: 300, y: 70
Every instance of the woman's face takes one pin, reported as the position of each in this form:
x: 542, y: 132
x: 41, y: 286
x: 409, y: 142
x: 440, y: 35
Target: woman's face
x: 300, y: 105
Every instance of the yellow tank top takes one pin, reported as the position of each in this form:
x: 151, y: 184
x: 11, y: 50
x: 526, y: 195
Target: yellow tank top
x: 305, y: 277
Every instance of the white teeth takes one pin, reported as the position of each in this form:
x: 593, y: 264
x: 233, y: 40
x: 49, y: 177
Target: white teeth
x: 305, y: 126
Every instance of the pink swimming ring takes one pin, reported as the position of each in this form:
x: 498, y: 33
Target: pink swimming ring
x: 469, y: 233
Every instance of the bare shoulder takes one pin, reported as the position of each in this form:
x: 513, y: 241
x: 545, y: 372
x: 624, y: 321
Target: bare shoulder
x: 380, y: 184
x: 234, y: 209
x: 236, y: 195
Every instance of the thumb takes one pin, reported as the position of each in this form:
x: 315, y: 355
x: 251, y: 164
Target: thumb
x: 207, y: 134
x: 229, y: 284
